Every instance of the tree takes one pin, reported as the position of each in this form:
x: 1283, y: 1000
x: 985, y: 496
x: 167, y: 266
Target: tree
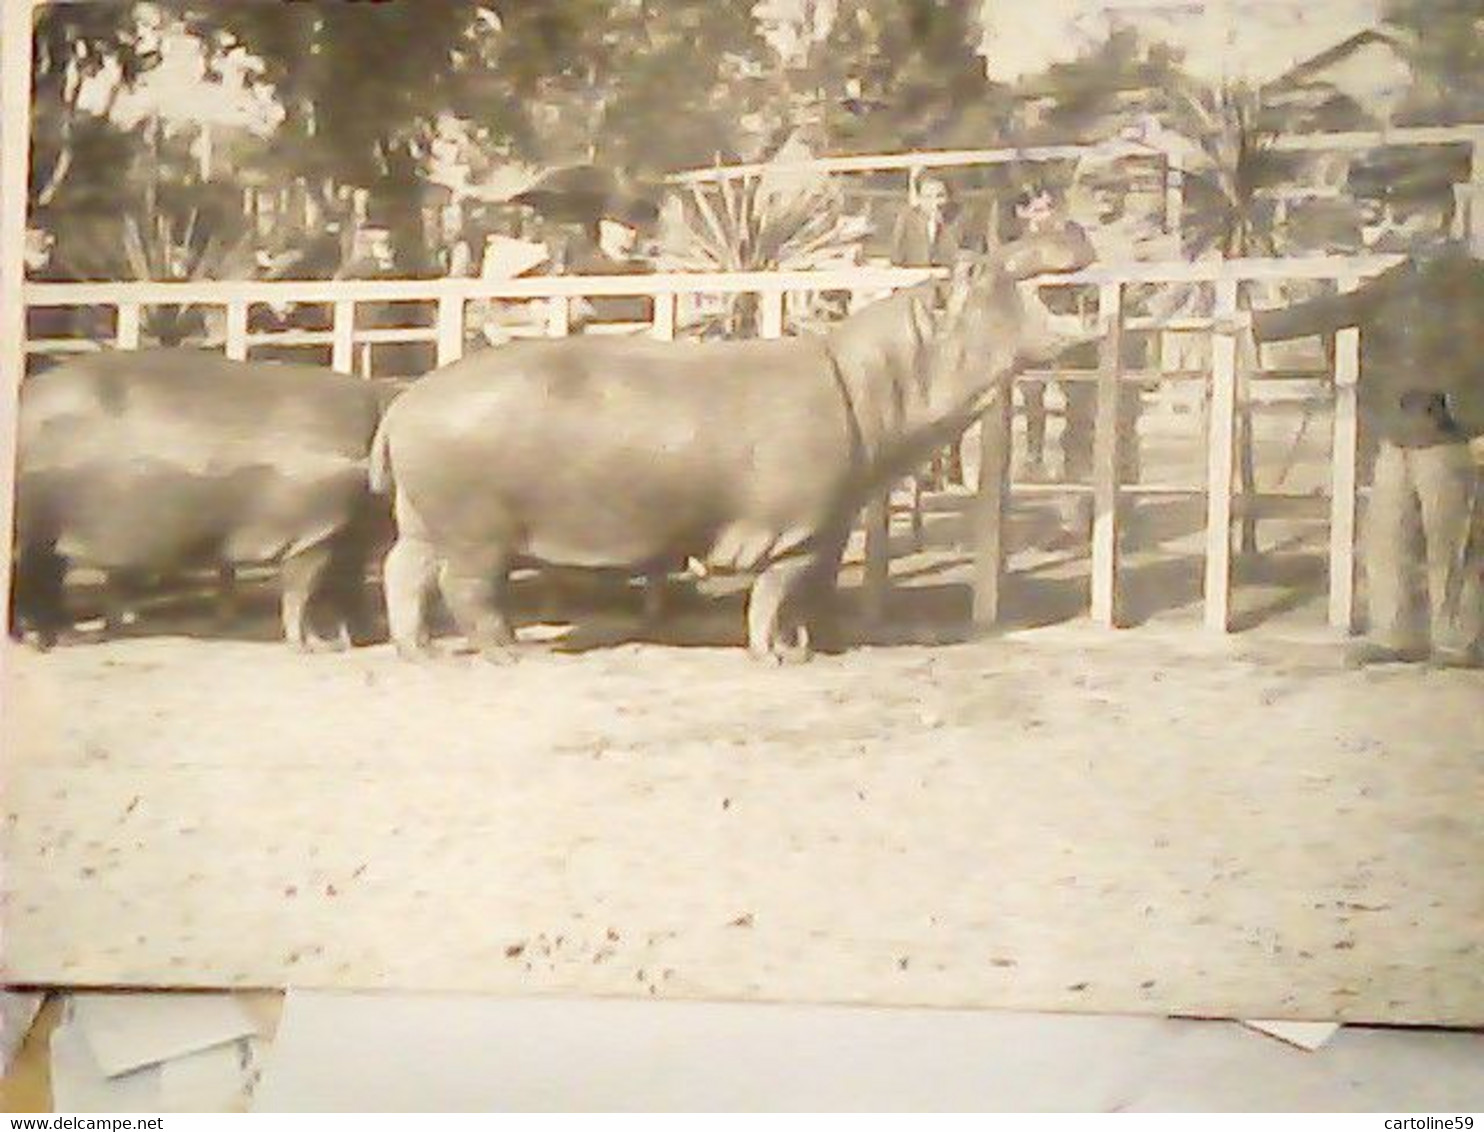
x: 636, y: 84
x: 903, y: 73
x: 361, y: 86
x: 1448, y: 56
x: 75, y: 49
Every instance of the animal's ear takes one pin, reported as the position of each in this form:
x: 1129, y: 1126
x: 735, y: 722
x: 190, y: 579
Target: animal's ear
x: 965, y: 275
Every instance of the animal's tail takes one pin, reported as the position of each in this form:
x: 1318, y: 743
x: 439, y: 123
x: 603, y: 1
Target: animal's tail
x: 379, y: 469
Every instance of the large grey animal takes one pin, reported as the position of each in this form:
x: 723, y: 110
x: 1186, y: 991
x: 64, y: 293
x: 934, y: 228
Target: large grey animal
x: 141, y: 463
x: 751, y: 456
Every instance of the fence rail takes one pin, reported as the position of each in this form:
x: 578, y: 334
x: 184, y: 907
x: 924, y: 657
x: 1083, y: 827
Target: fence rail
x: 1228, y: 388
x: 1470, y: 134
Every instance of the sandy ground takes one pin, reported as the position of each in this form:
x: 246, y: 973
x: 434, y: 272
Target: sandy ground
x: 1155, y: 820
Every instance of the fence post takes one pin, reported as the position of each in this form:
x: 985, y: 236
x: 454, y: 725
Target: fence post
x: 126, y: 331
x: 664, y: 317
x: 1174, y: 210
x: 1220, y: 447
x: 1246, y: 458
x: 771, y: 325
x: 558, y: 316
x: 988, y: 516
x: 450, y: 329
x: 1106, y: 457
x: 1343, y: 478
x: 1469, y: 212
x: 343, y: 350
x: 237, y: 330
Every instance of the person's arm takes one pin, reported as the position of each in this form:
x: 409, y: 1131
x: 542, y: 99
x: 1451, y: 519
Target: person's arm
x: 1465, y: 408
x: 1326, y: 313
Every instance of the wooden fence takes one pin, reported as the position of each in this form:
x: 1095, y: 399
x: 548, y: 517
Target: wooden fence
x: 1166, y: 151
x: 450, y: 299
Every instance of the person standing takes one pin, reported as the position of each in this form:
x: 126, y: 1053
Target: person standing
x: 1421, y: 394
x: 51, y: 323
x: 1034, y: 208
x: 928, y: 234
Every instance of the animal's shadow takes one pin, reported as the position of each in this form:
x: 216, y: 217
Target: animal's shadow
x: 930, y: 601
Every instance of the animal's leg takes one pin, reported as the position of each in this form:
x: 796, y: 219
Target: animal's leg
x: 37, y: 595
x: 656, y: 590
x: 766, y: 636
x: 816, y: 603
x: 226, y: 596
x: 408, y: 576
x: 345, y: 583
x: 299, y: 577
x: 475, y: 585
x: 120, y: 589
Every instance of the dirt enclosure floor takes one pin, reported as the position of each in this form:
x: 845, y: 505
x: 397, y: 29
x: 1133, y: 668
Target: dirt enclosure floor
x: 1056, y: 816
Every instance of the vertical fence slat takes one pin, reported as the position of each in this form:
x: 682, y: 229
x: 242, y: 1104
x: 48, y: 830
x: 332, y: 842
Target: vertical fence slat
x: 237, y: 329
x: 664, y: 317
x: 989, y: 510
x: 343, y: 350
x: 558, y: 316
x: 771, y: 325
x: 1107, y: 448
x: 126, y: 332
x: 1174, y: 191
x: 1220, y: 451
x: 1343, y: 478
x: 1246, y: 459
x: 450, y: 329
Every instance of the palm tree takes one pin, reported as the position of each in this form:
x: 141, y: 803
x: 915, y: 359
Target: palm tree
x: 757, y: 224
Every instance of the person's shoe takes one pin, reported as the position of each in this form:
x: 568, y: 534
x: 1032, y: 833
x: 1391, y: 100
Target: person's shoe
x: 1451, y: 658
x: 1368, y: 654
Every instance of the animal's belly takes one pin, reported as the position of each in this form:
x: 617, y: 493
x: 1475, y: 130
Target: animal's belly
x: 605, y: 544
x: 158, y: 515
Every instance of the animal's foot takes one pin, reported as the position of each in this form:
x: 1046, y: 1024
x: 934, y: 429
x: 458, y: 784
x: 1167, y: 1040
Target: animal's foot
x: 336, y: 644
x: 414, y: 651
x: 780, y: 653
x: 501, y: 655
x: 43, y: 640
x: 796, y: 651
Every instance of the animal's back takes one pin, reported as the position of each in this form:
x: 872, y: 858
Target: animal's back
x: 162, y: 455
x: 174, y: 393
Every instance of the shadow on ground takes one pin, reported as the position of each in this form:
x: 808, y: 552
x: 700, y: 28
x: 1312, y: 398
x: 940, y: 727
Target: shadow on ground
x: 931, y: 600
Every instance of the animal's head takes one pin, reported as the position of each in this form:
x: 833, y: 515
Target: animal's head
x: 995, y: 323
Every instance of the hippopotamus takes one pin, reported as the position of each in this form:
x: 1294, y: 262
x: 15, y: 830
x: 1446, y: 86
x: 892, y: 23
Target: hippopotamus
x: 153, y: 462
x: 752, y: 456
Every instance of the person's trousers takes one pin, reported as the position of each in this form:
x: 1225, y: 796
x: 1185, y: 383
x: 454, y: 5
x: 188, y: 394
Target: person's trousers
x: 1424, y: 522
x: 1079, y: 429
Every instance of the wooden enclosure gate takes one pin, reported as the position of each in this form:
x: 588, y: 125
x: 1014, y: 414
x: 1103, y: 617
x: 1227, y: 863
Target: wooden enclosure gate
x: 1225, y: 391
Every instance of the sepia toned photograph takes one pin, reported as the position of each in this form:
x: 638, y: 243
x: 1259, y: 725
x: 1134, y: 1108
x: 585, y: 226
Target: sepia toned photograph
x: 967, y: 507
